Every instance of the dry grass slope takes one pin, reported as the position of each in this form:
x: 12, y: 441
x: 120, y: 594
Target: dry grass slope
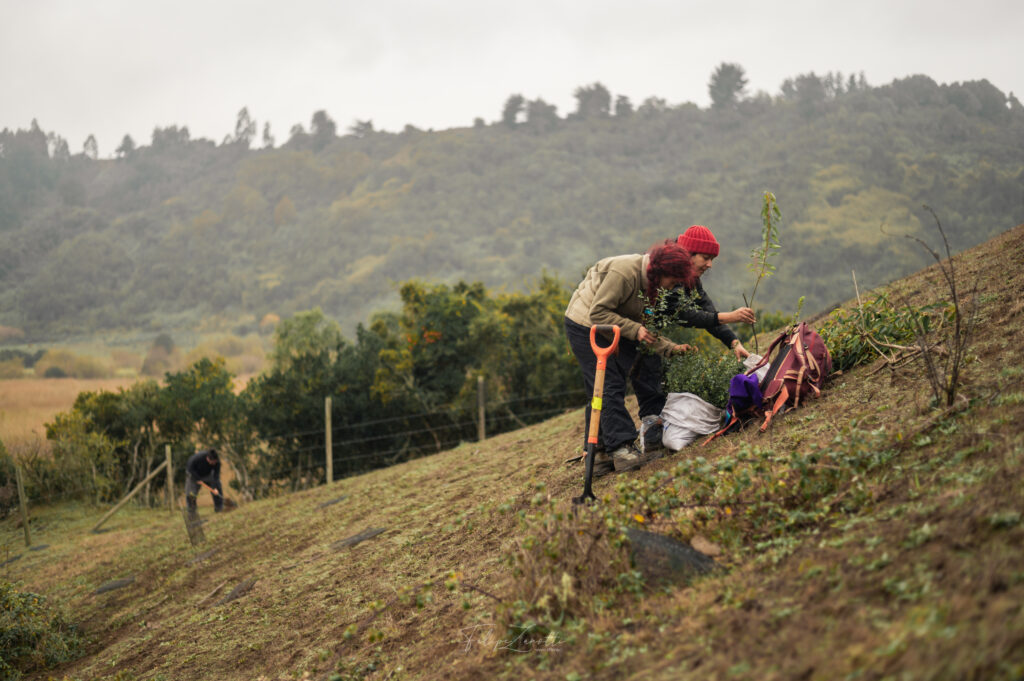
x: 926, y: 582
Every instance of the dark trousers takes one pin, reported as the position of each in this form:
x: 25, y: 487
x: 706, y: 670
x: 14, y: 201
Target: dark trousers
x: 646, y: 380
x: 616, y: 427
x: 192, y: 491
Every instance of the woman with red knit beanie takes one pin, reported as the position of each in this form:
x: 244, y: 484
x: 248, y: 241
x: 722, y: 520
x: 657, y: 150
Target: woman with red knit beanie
x: 703, y: 248
x: 615, y: 291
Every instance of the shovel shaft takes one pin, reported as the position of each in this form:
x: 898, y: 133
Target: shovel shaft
x: 212, y: 490
x: 595, y: 405
x: 602, y: 364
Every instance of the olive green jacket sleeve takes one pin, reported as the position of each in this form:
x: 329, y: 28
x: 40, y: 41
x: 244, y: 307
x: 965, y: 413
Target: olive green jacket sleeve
x: 610, y: 294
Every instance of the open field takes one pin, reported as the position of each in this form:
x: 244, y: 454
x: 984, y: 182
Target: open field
x: 913, y: 569
x: 26, y: 404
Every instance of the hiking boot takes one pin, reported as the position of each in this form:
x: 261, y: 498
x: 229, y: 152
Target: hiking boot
x: 652, y: 454
x: 603, y: 464
x: 627, y: 458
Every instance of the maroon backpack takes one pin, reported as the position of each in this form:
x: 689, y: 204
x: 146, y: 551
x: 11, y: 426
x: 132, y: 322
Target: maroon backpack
x: 800, y: 367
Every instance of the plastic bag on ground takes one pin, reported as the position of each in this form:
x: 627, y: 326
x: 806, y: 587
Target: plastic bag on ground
x: 686, y: 417
x: 751, y: 361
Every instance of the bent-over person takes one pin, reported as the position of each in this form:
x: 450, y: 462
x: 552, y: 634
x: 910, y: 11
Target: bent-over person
x: 616, y: 290
x: 203, y: 469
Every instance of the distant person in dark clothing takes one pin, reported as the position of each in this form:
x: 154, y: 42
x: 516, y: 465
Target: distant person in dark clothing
x: 203, y: 468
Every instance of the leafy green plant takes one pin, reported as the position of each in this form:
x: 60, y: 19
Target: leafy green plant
x: 857, y: 335
x: 769, y: 246
x: 706, y: 376
x: 662, y: 315
x: 33, y: 636
x: 82, y: 462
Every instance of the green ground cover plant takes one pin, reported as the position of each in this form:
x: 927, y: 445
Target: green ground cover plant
x: 34, y: 635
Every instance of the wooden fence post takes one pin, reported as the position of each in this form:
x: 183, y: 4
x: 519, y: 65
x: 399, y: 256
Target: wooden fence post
x: 170, y: 479
x: 23, y: 504
x: 130, y: 495
x: 481, y: 430
x: 328, y: 440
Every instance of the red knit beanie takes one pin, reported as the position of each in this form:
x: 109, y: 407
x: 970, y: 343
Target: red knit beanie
x: 699, y: 239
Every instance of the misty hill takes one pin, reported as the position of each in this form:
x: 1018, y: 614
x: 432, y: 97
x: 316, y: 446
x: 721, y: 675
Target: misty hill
x: 869, y: 534
x: 183, y: 230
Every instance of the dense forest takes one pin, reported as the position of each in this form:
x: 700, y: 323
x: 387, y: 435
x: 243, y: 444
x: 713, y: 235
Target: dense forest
x: 184, y: 230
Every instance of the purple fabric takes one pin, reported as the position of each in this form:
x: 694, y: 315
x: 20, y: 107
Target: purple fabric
x: 744, y: 392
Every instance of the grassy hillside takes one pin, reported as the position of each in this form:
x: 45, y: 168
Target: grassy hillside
x: 911, y: 569
x: 183, y: 231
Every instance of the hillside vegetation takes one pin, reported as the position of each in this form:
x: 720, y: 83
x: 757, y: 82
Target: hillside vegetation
x: 182, y: 230
x: 870, y: 534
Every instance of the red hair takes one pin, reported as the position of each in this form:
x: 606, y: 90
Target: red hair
x: 668, y: 259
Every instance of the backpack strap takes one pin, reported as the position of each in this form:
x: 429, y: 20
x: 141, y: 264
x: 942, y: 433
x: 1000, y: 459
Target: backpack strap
x: 780, y: 402
x: 766, y: 357
x: 815, y: 374
x: 799, y: 382
x: 732, y: 421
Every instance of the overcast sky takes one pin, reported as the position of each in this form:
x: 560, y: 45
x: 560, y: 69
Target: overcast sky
x: 111, y: 67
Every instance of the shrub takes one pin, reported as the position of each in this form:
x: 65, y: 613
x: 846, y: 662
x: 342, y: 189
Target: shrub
x: 8, y: 490
x: 64, y: 363
x: 566, y: 565
x: 83, y: 462
x: 243, y: 355
x: 705, y: 376
x: 27, y: 359
x: 90, y: 367
x: 849, y: 333
x: 33, y: 636
x: 12, y: 368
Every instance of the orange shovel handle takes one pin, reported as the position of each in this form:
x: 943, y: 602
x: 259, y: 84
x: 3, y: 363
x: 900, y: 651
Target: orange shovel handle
x: 602, y: 364
x: 602, y: 353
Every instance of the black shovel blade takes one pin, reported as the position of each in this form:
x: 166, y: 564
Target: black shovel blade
x: 588, y: 478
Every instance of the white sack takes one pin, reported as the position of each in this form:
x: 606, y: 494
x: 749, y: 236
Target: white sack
x: 686, y: 416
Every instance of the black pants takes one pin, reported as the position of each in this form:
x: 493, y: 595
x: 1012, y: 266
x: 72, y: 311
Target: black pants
x: 646, y: 380
x: 192, y: 491
x: 616, y: 427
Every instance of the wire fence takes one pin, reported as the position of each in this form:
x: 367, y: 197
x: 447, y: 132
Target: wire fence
x: 301, y: 457
x: 357, y: 447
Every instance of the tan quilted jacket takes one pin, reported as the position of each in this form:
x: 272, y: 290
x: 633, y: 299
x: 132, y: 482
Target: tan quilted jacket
x: 610, y: 294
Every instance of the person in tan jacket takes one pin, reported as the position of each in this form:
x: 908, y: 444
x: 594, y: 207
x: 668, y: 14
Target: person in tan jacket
x: 617, y: 290
x: 700, y: 313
